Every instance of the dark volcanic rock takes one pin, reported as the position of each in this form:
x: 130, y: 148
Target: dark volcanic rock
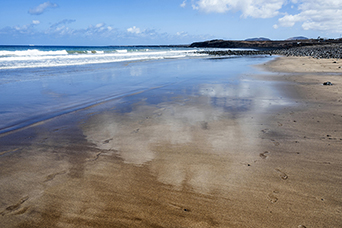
x: 265, y: 44
x: 333, y: 51
x: 244, y: 44
x: 328, y: 51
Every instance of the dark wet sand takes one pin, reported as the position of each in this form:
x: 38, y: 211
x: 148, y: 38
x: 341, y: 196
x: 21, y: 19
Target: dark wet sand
x: 184, y: 162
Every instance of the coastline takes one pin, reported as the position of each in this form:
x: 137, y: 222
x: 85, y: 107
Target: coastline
x: 282, y: 167
x: 322, y: 51
x: 304, y: 65
x: 310, y: 136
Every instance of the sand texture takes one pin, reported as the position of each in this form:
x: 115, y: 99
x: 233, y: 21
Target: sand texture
x: 185, y: 162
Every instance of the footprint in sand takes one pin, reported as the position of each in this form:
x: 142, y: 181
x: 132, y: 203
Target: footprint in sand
x: 275, y: 142
x: 263, y: 155
x: 272, y: 198
x: 16, y: 207
x: 135, y: 131
x: 107, y: 141
x: 178, y: 207
x: 204, y: 126
x: 265, y: 130
x: 282, y: 174
x: 97, y: 156
x: 52, y: 176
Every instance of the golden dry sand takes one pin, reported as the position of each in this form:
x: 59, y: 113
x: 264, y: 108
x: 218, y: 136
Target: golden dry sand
x: 185, y: 163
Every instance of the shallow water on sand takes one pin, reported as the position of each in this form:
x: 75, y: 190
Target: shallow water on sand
x: 32, y: 95
x: 188, y: 131
x: 164, y: 138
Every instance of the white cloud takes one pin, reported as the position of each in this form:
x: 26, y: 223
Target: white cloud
x: 99, y: 25
x: 182, y: 34
x: 249, y: 8
x: 42, y: 7
x: 183, y: 4
x: 312, y: 14
x: 95, y: 34
x: 316, y: 15
x: 289, y: 20
x: 24, y: 29
x: 99, y: 29
x: 134, y: 30
x: 60, y: 28
x: 63, y: 22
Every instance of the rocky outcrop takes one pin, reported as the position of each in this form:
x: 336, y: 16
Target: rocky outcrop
x: 329, y: 51
x: 317, y: 51
x: 266, y: 44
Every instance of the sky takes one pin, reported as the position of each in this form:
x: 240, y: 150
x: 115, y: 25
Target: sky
x: 138, y: 22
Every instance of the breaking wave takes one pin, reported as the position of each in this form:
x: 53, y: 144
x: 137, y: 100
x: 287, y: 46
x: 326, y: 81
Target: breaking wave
x: 31, y: 57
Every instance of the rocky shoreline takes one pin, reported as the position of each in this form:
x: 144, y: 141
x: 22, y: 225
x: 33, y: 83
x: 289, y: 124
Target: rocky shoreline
x: 328, y: 51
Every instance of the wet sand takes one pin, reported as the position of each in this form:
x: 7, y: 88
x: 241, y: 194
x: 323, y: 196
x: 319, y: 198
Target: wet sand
x: 202, y: 159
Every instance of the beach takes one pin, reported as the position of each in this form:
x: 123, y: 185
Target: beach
x: 221, y: 142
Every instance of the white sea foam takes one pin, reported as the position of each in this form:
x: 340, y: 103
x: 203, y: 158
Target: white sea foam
x: 50, y: 58
x: 32, y: 52
x: 121, y: 51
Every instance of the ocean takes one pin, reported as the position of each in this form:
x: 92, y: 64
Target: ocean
x: 13, y: 57
x: 41, y: 82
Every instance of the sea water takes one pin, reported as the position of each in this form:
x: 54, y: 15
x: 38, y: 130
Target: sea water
x: 13, y: 57
x: 39, y: 83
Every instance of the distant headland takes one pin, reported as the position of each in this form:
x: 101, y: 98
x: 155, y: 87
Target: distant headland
x: 266, y: 43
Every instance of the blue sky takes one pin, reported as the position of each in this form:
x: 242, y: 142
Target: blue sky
x: 128, y: 22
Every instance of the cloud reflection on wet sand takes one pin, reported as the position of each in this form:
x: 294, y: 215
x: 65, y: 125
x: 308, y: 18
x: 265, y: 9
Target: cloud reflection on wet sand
x: 187, y: 143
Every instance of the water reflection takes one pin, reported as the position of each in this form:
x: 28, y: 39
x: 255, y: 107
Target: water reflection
x: 191, y: 141
x: 172, y: 138
x: 136, y: 71
x: 134, y: 134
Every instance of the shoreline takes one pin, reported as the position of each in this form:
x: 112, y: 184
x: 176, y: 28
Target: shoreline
x: 198, y: 167
x: 266, y: 44
x: 326, y: 51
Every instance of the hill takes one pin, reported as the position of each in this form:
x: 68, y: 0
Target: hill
x: 298, y: 38
x: 267, y: 44
x: 257, y: 39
